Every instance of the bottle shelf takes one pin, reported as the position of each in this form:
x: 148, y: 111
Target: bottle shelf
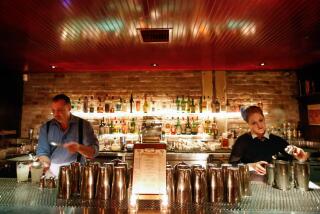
x: 96, y: 115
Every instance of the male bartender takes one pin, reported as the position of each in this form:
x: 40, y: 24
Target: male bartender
x: 74, y: 137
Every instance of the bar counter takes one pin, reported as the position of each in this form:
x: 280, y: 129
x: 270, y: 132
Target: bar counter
x: 28, y: 198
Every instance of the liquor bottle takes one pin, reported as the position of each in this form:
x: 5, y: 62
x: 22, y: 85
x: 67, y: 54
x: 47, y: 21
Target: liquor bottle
x: 111, y: 127
x: 173, y: 128
x: 209, y: 101
x: 153, y: 106
x: 145, y: 105
x: 183, y: 105
x: 100, y: 107
x: 106, y: 105
x: 79, y: 105
x: 118, y: 105
x: 200, y: 105
x: 178, y: 104
x: 112, y: 105
x: 178, y: 127
x: 217, y: 105
x: 223, y: 104
x: 101, y: 127
x: 204, y: 104
x: 200, y: 128
x: 215, y: 130
x: 260, y: 104
x: 192, y: 107
x: 188, y: 105
x: 124, y: 105
x: 194, y: 127
x: 91, y: 108
x: 132, y: 128
x: 107, y: 127
x: 85, y: 105
x: 138, y: 103
x: 131, y: 103
x: 124, y: 127
x: 183, y: 126
x: 207, y: 128
x: 188, y: 127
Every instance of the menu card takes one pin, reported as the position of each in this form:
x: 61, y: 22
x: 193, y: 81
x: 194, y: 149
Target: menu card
x: 149, y: 169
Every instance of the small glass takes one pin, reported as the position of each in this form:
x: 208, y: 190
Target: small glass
x: 22, y: 171
x: 36, y: 172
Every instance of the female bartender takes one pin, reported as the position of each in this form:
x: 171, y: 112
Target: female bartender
x: 258, y: 146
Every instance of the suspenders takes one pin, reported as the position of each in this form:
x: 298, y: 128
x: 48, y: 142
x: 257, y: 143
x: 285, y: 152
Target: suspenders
x: 80, y: 132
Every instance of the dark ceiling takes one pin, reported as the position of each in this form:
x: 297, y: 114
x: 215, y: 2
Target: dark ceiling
x: 104, y: 35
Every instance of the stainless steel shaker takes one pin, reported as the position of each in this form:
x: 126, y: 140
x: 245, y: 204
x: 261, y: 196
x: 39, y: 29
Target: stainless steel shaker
x: 244, y: 176
x: 282, y: 175
x: 233, y: 185
x: 103, y: 184
x: 110, y: 167
x: 270, y: 174
x: 75, y: 178
x: 183, y: 188
x: 216, y: 186
x: 64, y: 183
x: 87, y: 182
x: 200, y: 193
x: 302, y: 175
x: 119, y: 187
x: 225, y: 167
x: 170, y: 184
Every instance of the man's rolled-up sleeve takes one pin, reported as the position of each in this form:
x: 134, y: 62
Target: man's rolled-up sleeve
x: 43, y: 148
x: 89, y: 138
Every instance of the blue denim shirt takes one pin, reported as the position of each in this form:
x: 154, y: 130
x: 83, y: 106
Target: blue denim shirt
x: 60, y: 155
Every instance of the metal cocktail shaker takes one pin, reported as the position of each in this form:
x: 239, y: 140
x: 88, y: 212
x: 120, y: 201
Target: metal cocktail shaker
x: 110, y: 167
x: 233, y: 185
x: 216, y: 186
x: 87, y: 182
x: 75, y: 178
x: 64, y: 183
x: 170, y: 184
x: 184, y: 189
x: 103, y: 184
x: 282, y: 175
x: 302, y: 175
x: 200, y: 193
x: 244, y: 176
x: 119, y: 187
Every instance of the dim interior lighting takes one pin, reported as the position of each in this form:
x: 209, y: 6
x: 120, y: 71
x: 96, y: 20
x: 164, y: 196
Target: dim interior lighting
x: 262, y: 64
x: 154, y: 64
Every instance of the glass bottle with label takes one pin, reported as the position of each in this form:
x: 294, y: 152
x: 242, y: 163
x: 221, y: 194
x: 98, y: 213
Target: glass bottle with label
x: 183, y: 105
x: 106, y: 105
x: 138, y: 104
x: 145, y: 105
x: 85, y: 105
x: 91, y: 106
x: 194, y: 127
x: 178, y: 127
x: 192, y: 107
x: 188, y: 127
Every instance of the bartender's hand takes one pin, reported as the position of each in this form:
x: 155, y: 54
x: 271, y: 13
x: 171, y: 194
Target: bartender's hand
x: 299, y: 154
x: 45, y: 161
x: 259, y: 167
x: 72, y: 147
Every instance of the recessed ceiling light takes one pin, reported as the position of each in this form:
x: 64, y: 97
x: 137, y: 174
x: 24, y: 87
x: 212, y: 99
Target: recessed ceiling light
x: 53, y: 66
x: 154, y: 64
x: 262, y: 64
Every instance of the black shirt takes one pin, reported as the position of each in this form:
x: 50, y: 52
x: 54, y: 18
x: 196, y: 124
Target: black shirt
x: 249, y: 150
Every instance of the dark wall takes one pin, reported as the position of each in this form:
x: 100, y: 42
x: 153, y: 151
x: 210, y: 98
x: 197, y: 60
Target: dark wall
x: 11, y: 88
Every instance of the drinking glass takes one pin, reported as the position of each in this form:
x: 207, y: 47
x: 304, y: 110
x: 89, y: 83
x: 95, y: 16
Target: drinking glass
x: 22, y: 171
x: 36, y: 172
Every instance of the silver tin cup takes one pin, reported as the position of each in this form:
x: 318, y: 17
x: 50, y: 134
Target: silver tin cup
x: 233, y: 185
x: 103, y: 184
x: 244, y: 175
x: 64, y: 191
x: 302, y: 175
x: 110, y: 167
x: 270, y: 174
x: 87, y: 186
x: 216, y: 186
x: 119, y: 184
x: 75, y: 178
x: 183, y: 188
x: 282, y: 175
x: 200, y: 193
x: 170, y: 184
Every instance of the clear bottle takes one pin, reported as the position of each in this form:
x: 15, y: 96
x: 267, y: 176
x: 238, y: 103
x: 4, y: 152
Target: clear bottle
x: 118, y: 105
x: 91, y: 106
x: 85, y: 105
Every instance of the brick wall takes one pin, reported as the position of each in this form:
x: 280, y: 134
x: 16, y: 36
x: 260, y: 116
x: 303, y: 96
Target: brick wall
x: 41, y: 87
x: 276, y: 89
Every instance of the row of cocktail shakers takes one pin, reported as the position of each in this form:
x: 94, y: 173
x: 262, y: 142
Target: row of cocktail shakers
x: 185, y: 183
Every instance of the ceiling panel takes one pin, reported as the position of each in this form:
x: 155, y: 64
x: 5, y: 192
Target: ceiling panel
x: 104, y: 35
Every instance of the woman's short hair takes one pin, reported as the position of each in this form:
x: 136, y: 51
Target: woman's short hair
x: 247, y: 112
